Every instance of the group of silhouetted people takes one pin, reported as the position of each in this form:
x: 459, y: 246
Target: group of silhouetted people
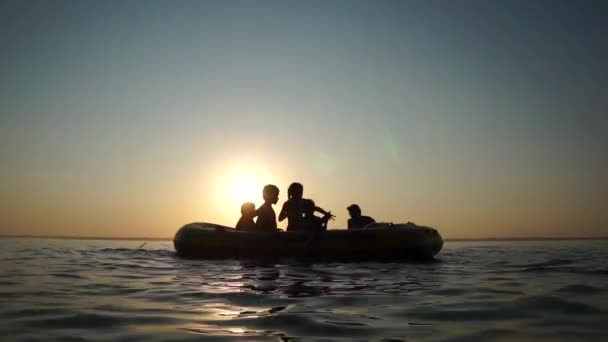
x: 299, y: 212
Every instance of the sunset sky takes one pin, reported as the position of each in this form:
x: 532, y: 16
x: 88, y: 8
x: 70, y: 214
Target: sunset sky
x: 132, y: 118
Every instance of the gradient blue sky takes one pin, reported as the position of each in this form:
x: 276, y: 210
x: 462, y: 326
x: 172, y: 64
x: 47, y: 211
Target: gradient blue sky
x: 130, y: 118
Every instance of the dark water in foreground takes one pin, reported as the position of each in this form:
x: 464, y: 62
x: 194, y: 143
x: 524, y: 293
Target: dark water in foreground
x: 111, y: 290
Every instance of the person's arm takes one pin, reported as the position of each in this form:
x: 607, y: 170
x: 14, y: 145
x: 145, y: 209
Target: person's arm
x: 283, y: 213
x: 326, y: 218
x: 261, y: 221
x: 321, y: 210
x: 325, y: 212
x: 324, y: 222
x: 257, y: 211
x: 349, y: 223
x: 368, y: 221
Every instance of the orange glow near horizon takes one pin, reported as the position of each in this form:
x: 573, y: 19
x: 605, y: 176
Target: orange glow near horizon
x: 138, y: 130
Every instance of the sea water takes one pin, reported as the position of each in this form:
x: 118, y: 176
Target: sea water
x: 113, y: 290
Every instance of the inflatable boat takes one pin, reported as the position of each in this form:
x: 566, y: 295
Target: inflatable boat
x: 379, y: 241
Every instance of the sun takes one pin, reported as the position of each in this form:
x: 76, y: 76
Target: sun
x: 235, y: 184
x: 241, y: 183
x: 244, y: 188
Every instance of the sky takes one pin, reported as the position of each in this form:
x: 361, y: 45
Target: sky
x: 132, y: 118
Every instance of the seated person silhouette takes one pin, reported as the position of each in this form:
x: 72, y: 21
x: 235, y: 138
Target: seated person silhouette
x: 293, y: 208
x: 310, y: 222
x: 356, y: 220
x: 267, y: 219
x: 247, y: 214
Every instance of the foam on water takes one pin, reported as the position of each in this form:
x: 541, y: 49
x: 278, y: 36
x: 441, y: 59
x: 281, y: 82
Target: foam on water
x: 111, y: 290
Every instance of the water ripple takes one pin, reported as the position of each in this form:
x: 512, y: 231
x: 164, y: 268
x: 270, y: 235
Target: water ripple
x: 114, y: 290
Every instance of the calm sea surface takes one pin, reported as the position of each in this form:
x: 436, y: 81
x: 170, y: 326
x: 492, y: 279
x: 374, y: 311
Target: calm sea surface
x: 113, y: 290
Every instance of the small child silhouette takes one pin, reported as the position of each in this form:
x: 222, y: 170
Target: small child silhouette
x: 247, y: 214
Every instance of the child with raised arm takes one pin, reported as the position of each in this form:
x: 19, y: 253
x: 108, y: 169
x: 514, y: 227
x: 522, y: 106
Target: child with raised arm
x: 310, y: 222
x: 293, y: 208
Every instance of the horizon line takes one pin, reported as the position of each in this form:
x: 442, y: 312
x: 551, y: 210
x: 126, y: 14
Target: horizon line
x: 142, y: 238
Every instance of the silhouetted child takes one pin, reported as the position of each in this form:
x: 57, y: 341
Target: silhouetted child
x: 247, y: 214
x: 356, y: 220
x: 293, y: 208
x: 310, y: 222
x: 267, y: 219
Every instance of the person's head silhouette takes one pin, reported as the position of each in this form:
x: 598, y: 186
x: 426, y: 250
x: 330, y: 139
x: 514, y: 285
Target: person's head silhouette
x: 248, y: 209
x: 308, y: 207
x: 270, y: 194
x: 295, y: 190
x: 354, y: 211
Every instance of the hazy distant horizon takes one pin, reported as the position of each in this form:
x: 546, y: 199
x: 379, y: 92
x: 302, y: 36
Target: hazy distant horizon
x: 479, y: 118
x: 446, y: 239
